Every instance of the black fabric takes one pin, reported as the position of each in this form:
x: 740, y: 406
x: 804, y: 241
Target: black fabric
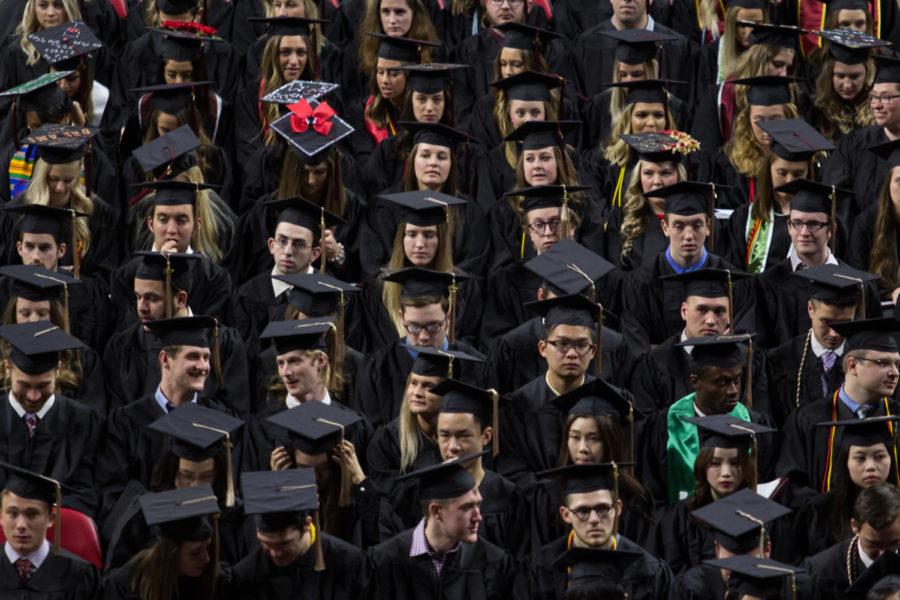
x: 62, y: 575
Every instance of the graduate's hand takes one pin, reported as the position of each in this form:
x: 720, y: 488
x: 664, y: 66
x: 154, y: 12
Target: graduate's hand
x: 169, y: 247
x: 332, y: 248
x: 279, y: 460
x: 894, y: 294
x: 344, y: 454
x: 78, y: 114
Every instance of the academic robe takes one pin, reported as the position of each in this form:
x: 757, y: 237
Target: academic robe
x: 813, y: 522
x: 117, y: 585
x: 254, y: 307
x: 62, y: 447
x: 382, y: 380
x: 131, y: 368
x: 506, y: 292
x: 62, y: 576
x: 346, y: 575
x: 861, y: 242
x: 645, y: 579
x: 645, y: 247
x: 852, y: 167
x: 479, y: 571
x: 733, y: 238
x: 383, y: 456
x: 828, y: 571
x: 494, y: 176
x: 703, y: 582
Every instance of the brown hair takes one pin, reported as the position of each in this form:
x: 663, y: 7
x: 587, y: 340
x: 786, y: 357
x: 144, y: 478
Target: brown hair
x: 504, y: 123
x: 154, y: 570
x: 166, y: 470
x: 839, y: 115
x: 878, y: 506
x: 271, y: 79
x: 764, y: 200
x: 291, y: 185
x: 411, y: 184
x: 421, y: 29
x: 883, y: 253
x: 703, y: 493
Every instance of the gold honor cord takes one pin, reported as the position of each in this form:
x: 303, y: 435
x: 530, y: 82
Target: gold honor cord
x: 495, y: 421
x: 861, y: 302
x: 229, y: 476
x: 762, y: 529
x: 786, y: 572
x: 344, y: 499
x: 317, y: 537
x: 65, y: 287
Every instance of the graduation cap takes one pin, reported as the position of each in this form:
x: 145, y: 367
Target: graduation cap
x: 185, y: 331
x: 637, y: 46
x: 35, y: 346
x: 303, y: 213
x: 866, y: 432
x: 61, y: 144
x: 726, y: 351
x: 584, y: 478
x: 311, y: 127
x: 838, y: 5
x: 767, y: 90
x: 661, y: 146
x: 525, y: 37
x: 416, y: 281
x: 316, y: 294
x: 177, y: 7
x: 849, y: 46
x: 294, y: 91
x: 65, y: 42
x: 546, y: 196
x: 401, y: 48
x: 654, y: 91
x: 287, y: 25
x: 443, y: 481
x: 542, y: 134
x: 40, y: 218
x: 434, y: 362
x: 587, y: 566
x: 783, y: 36
x: 573, y: 309
x: 794, y: 139
x: 199, y: 433
x: 739, y: 520
x: 315, y: 427
x: 529, y: 85
x: 424, y: 208
x: 596, y: 398
x: 171, y: 192
x: 288, y: 336
x: 830, y: 283
x: 687, y: 198
x: 570, y: 268
x: 430, y: 78
x: 709, y: 283
x: 38, y: 284
x: 173, y: 269
x: 40, y: 93
x: 812, y: 196
x: 436, y: 133
x: 173, y: 150
x: 459, y: 397
x: 33, y: 486
x: 888, y: 69
x: 888, y: 151
x: 182, y: 514
x: 756, y: 577
x: 182, y: 45
x: 726, y: 431
x: 882, y: 575
x: 171, y: 99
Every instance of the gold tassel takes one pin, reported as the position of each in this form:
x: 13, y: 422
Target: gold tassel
x: 762, y: 530
x: 730, y: 285
x: 748, y: 383
x: 229, y: 475
x: 65, y: 287
x: 615, y: 474
x: 861, y: 301
x: 214, y: 351
x: 345, y: 498
x: 564, y: 215
x: 495, y: 421
x: 833, y: 198
x: 167, y: 288
x: 320, y: 555
x: 322, y: 260
x: 598, y: 358
x: 76, y: 255
x: 631, y: 431
x: 787, y: 572
x: 451, y: 334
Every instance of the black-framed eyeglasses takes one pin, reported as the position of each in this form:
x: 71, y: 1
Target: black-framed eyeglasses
x: 417, y: 328
x: 583, y: 513
x: 813, y: 226
x: 581, y: 347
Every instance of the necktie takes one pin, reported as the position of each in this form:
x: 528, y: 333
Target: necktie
x: 863, y: 411
x: 31, y: 421
x: 25, y: 569
x: 826, y: 361
x: 169, y: 407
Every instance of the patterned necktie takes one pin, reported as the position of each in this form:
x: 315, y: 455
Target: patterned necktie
x: 25, y: 569
x: 31, y: 420
x: 826, y: 361
x: 863, y: 411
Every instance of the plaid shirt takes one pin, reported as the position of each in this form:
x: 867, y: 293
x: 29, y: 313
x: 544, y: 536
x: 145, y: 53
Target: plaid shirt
x: 420, y: 546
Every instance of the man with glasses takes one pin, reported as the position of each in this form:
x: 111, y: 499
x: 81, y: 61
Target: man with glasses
x: 870, y: 364
x: 425, y: 318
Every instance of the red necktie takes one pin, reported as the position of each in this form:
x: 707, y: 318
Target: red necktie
x: 25, y: 569
x: 31, y: 420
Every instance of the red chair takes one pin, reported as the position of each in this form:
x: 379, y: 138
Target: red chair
x: 79, y: 536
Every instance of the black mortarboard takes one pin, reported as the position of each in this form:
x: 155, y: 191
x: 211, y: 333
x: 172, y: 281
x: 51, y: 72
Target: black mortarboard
x: 784, y: 36
x: 834, y: 282
x: 61, y: 144
x: 430, y: 78
x: 39, y: 218
x: 888, y: 582
x: 587, y: 566
x: 40, y: 93
x: 794, y: 139
x: 529, y: 85
x: 707, y: 282
x: 725, y: 351
x: 525, y: 37
x: 35, y: 346
x: 435, y: 133
x: 173, y: 150
x: 888, y: 69
x: 287, y: 25
x: 687, y: 198
x: 170, y: 192
x: 755, y: 577
x: 460, y: 397
x: 869, y: 334
x: 423, y: 208
x: 434, y: 362
x: 182, y: 514
x: 416, y: 281
x: 637, y: 46
x: 888, y: 151
x: 280, y: 499
x: 885, y: 567
x: 850, y: 46
x: 171, y: 99
x: 569, y: 268
x: 542, y: 134
x: 812, y: 196
x: 315, y: 427
x: 837, y: 5
x: 767, y: 90
x: 595, y: 398
x: 725, y: 431
x: 573, y: 309
x: 656, y: 146
x: 185, y: 331
x: 64, y: 42
x: 646, y: 90
x: 545, y: 196
x: 177, y: 7
x: 196, y: 431
x: 316, y: 294
x: 584, y: 478
x: 443, y: 481
x: 153, y: 266
x: 181, y: 46
x: 865, y: 432
x: 738, y: 519
x: 400, y: 48
x: 36, y: 283
x: 294, y: 91
x: 288, y: 336
x: 27, y: 484
x: 298, y: 128
x: 303, y: 213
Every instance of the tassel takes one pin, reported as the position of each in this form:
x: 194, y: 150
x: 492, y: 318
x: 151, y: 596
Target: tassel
x: 345, y: 498
x: 317, y: 540
x: 748, y: 382
x: 56, y: 519
x: 713, y: 199
x: 495, y: 421
x: 167, y: 288
x: 229, y: 475
x: 216, y: 358
x: 730, y: 285
x: 598, y: 358
x: 451, y: 334
x: 322, y: 260
x: 564, y: 215
x: 833, y: 197
x: 762, y: 529
x: 76, y: 254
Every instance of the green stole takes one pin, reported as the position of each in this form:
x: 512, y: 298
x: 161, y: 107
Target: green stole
x: 683, y: 445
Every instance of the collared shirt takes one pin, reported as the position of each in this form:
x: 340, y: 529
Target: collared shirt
x: 796, y: 262
x: 818, y: 349
x: 684, y: 338
x: 694, y: 267
x: 293, y: 402
x: 163, y: 401
x: 20, y: 410
x: 848, y: 402
x: 279, y: 287
x: 864, y: 558
x: 419, y: 546
x: 37, y: 557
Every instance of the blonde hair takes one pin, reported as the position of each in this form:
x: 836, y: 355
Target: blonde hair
x: 272, y: 79
x: 842, y: 116
x: 207, y: 239
x: 754, y: 60
x: 505, y: 127
x: 310, y: 11
x: 729, y: 45
x: 38, y: 192
x: 633, y: 222
x: 617, y: 151
x: 617, y: 99
x: 408, y: 433
x: 29, y: 24
x: 743, y: 150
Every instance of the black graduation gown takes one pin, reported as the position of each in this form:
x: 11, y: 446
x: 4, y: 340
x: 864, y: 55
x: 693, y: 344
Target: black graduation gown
x: 703, y: 582
x: 646, y: 247
x: 856, y: 253
x: 851, y: 167
x: 62, y: 576
x: 813, y: 523
x: 828, y: 571
x: 645, y: 579
x: 679, y: 540
x: 131, y: 366
x: 508, y: 288
x: 479, y: 571
x: 382, y: 380
x: 117, y: 585
x: 63, y: 447
x: 733, y: 238
x: 383, y: 455
x: 254, y: 306
x: 346, y: 575
x: 493, y: 177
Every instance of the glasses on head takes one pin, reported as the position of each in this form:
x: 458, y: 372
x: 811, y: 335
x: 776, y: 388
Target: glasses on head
x: 539, y: 227
x: 881, y: 363
x: 883, y: 99
x: 583, y: 513
x: 296, y: 245
x: 813, y: 226
x: 416, y: 328
x: 580, y: 347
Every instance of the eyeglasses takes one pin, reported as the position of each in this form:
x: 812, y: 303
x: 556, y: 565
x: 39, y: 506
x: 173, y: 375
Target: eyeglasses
x: 417, y: 328
x: 563, y: 346
x: 296, y: 245
x: 884, y: 99
x: 882, y: 363
x: 512, y: 3
x: 538, y: 227
x: 583, y: 513
x: 813, y: 226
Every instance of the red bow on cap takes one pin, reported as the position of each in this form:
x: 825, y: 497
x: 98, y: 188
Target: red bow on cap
x: 304, y: 116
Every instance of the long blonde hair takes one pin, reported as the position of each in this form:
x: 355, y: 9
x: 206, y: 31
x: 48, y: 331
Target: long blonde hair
x: 729, y: 46
x: 843, y: 116
x: 408, y: 433
x: 633, y: 222
x: 617, y: 151
x: 38, y: 192
x: 617, y: 99
x: 743, y: 150
x: 754, y: 60
x: 29, y: 24
x: 208, y: 238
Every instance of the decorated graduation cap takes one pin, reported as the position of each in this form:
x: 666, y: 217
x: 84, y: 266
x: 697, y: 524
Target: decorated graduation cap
x: 310, y: 128
x: 888, y: 151
x: 182, y: 514
x: 435, y: 133
x: 661, y: 146
x: 424, y: 208
x: 40, y: 93
x: 171, y: 98
x: 430, y: 78
x: 542, y: 134
x: 529, y: 85
x: 794, y: 139
x: 287, y: 25
x: 784, y: 36
x: 866, y: 432
x: 294, y: 91
x: 401, y: 48
x: 65, y: 42
x: 434, y: 362
x: 882, y: 575
x: 756, y: 577
x: 739, y: 520
x: 687, y: 198
x: 33, y: 486
x: 174, y: 151
x: 767, y: 90
x: 303, y: 213
x: 637, y: 46
x: 199, y: 433
x: 308, y: 334
x: 654, y: 91
x: 61, y: 144
x: 525, y: 37
x: 596, y: 398
x: 888, y: 69
x: 460, y: 397
x: 570, y: 268
x: 35, y: 346
x: 849, y: 46
x: 588, y: 566
x: 443, y: 481
x: 584, y: 478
